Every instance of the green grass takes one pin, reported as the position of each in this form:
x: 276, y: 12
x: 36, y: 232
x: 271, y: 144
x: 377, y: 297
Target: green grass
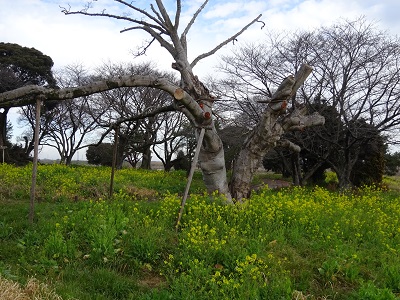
x: 392, y: 182
x: 297, y: 243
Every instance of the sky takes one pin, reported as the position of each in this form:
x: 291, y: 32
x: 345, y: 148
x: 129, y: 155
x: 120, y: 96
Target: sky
x: 92, y: 41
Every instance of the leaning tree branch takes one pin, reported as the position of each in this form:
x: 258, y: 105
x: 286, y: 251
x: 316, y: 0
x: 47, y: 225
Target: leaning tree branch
x: 232, y: 38
x: 24, y: 95
x: 299, y: 122
x: 27, y: 94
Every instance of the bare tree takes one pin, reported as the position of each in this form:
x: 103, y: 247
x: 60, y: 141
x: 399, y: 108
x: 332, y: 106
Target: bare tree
x: 27, y: 121
x: 72, y: 123
x: 191, y: 96
x: 357, y: 74
x: 173, y: 134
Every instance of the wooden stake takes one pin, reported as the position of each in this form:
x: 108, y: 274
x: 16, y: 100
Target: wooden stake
x: 192, y: 168
x: 35, y: 161
x: 114, y: 160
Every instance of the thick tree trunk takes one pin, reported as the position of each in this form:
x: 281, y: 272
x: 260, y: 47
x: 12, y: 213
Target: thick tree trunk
x: 62, y: 160
x: 120, y: 161
x: 146, y: 159
x: 212, y: 164
x: 68, y: 160
x: 344, y: 179
x: 262, y: 139
x: 211, y: 156
x: 296, y: 169
x: 343, y: 172
x: 311, y: 171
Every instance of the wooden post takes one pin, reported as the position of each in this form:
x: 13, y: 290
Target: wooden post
x: 35, y: 161
x: 114, y: 160
x: 192, y: 168
x: 3, y: 148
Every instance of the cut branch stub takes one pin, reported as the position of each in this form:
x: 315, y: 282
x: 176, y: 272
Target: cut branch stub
x: 301, y: 75
x: 179, y: 94
x: 284, y: 90
x: 192, y: 106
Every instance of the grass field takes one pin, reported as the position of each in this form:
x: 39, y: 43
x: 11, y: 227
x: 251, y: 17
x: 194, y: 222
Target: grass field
x: 291, y: 243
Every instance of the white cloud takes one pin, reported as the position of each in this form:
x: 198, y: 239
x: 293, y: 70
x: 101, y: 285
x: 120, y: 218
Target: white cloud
x: 224, y: 10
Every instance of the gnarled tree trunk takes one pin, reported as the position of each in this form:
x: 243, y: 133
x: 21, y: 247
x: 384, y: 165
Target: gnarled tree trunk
x: 268, y: 132
x: 212, y: 164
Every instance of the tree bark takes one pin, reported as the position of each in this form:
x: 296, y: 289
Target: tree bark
x: 263, y: 138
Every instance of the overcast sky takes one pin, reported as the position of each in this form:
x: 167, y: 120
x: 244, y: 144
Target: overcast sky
x: 91, y: 41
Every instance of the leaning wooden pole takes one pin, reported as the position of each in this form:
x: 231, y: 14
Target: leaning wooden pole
x: 35, y: 161
x: 192, y: 168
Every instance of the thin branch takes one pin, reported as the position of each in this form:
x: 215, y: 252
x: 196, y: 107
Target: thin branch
x: 165, y: 16
x: 156, y: 13
x: 131, y: 28
x: 143, y: 49
x: 232, y: 38
x: 142, y: 11
x: 144, y: 115
x: 125, y: 18
x: 141, y: 116
x: 189, y: 25
x: 178, y: 14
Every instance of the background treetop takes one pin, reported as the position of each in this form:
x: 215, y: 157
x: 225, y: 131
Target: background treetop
x: 24, y: 66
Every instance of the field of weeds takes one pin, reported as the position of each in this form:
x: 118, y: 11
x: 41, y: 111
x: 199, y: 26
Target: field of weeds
x: 289, y: 243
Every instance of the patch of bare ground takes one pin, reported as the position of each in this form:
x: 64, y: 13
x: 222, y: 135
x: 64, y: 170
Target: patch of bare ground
x: 150, y: 279
x: 11, y: 290
x: 272, y: 184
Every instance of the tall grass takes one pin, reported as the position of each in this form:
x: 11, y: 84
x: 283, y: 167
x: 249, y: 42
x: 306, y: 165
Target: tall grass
x: 292, y: 243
